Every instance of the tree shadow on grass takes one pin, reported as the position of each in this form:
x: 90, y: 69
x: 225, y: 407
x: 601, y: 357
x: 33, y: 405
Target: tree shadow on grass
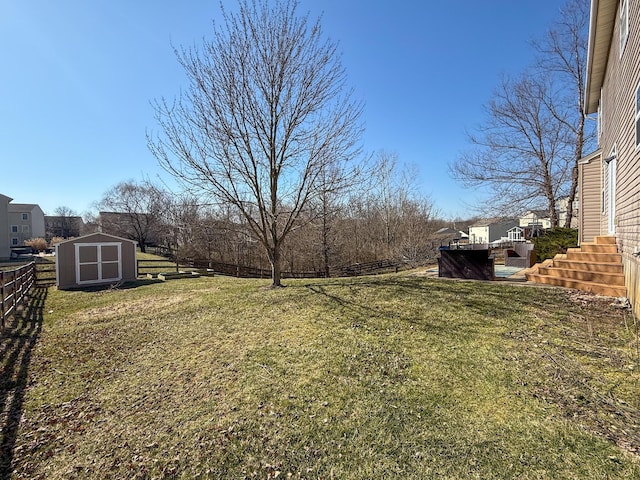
x: 481, y: 299
x: 116, y: 286
x: 16, y: 345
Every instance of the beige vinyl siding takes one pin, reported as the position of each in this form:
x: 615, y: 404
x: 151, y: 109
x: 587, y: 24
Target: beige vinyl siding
x: 618, y: 97
x: 620, y: 89
x: 590, y: 211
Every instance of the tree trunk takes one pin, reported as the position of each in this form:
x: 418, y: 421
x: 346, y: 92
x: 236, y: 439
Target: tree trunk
x: 574, y: 172
x: 276, y: 272
x: 325, y: 241
x: 572, y: 196
x: 553, y: 215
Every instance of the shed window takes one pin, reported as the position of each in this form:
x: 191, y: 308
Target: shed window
x: 98, y: 262
x: 624, y: 24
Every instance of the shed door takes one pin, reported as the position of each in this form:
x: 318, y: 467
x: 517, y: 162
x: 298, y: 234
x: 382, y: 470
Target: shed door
x: 98, y: 262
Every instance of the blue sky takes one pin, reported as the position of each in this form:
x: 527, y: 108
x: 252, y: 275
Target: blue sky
x: 77, y: 78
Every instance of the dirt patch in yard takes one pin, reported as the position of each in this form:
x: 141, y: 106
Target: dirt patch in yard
x: 577, y: 384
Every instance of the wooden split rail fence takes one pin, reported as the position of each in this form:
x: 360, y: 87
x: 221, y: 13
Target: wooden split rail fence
x: 368, y: 268
x: 14, y: 285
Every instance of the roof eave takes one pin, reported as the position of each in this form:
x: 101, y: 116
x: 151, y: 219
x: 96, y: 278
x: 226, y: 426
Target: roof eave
x: 602, y: 21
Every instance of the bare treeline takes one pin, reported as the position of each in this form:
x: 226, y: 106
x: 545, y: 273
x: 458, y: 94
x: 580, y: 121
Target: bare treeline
x: 380, y: 219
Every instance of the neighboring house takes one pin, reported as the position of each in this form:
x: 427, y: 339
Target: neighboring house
x: 538, y: 220
x: 26, y: 220
x: 535, y: 219
x: 5, y: 246
x: 490, y: 230
x: 62, y: 226
x: 562, y: 207
x: 449, y: 237
x: 531, y: 225
x: 609, y: 183
x: 516, y: 234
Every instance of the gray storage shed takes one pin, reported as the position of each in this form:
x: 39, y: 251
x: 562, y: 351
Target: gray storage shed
x: 95, y: 259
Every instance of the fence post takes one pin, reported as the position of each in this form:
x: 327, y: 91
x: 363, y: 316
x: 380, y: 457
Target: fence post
x: 2, y: 291
x: 14, y: 283
x: 32, y: 278
x: 20, y: 274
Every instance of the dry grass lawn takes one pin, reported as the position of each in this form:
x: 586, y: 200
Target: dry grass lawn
x: 395, y: 376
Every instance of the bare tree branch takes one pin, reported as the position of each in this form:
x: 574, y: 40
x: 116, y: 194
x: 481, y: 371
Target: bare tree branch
x: 267, y: 110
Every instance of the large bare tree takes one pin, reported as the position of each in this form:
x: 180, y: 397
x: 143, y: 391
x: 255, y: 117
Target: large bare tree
x: 133, y: 210
x: 64, y: 223
x: 266, y: 112
x: 527, y: 151
x: 563, y: 55
x: 405, y: 218
x: 522, y: 151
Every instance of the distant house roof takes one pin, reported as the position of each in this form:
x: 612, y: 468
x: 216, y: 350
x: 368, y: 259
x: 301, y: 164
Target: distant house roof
x: 57, y: 217
x: 22, y: 207
x: 448, y: 232
x: 121, y: 213
x: 537, y: 213
x: 491, y: 221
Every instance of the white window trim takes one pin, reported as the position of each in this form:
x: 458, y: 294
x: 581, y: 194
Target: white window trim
x: 515, y: 233
x: 99, y: 262
x: 600, y: 116
x: 624, y: 24
x: 599, y: 120
x: 14, y: 242
x: 637, y: 119
x: 25, y: 228
x: 25, y: 217
x: 611, y: 188
x: 14, y: 229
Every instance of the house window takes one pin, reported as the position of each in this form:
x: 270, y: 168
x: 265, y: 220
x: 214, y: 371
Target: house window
x: 14, y: 228
x: 14, y: 241
x: 25, y: 228
x: 515, y: 234
x: 624, y: 24
x: 638, y: 116
x: 25, y: 217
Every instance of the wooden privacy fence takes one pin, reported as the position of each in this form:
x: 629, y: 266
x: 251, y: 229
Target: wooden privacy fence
x: 14, y: 285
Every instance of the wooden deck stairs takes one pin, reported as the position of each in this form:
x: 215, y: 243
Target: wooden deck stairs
x: 594, y: 267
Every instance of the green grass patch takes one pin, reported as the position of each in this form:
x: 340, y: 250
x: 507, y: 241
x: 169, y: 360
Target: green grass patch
x: 392, y: 376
